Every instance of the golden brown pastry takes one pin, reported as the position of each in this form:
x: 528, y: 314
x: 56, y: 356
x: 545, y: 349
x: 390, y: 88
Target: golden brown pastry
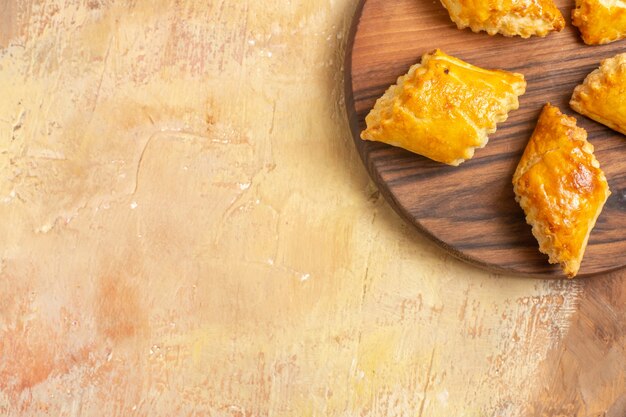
x: 600, y: 21
x: 444, y: 108
x: 523, y: 18
x: 602, y: 97
x: 561, y: 188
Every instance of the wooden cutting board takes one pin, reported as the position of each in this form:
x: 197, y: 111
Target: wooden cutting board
x: 470, y: 211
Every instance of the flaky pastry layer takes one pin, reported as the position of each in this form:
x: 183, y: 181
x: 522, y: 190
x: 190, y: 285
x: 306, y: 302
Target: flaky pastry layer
x: 561, y: 188
x: 523, y: 18
x: 602, y: 96
x: 600, y: 21
x: 444, y: 108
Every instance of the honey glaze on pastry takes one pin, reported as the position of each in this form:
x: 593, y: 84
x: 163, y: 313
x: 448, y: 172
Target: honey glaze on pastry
x: 523, y: 18
x: 444, y: 108
x: 602, y: 97
x: 600, y: 21
x: 561, y: 188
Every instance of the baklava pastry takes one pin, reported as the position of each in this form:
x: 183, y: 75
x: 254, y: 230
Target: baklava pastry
x: 523, y: 18
x: 561, y: 188
x: 444, y: 108
x: 602, y: 97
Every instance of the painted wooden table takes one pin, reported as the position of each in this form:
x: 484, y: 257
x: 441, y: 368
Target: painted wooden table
x: 188, y: 230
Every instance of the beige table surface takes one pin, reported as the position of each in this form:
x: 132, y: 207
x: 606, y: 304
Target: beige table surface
x: 187, y: 231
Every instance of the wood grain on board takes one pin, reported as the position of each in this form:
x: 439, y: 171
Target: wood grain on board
x: 470, y: 210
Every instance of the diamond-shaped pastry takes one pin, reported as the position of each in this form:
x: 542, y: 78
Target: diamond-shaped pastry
x: 523, y: 18
x: 602, y: 97
x: 444, y: 108
x: 561, y: 188
x: 600, y: 21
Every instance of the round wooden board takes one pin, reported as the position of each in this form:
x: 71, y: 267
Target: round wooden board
x: 471, y: 210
